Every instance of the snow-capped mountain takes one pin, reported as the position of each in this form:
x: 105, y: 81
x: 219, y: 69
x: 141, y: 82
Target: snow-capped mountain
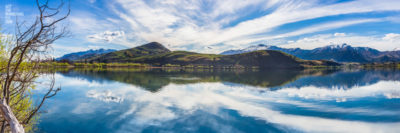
x: 339, y: 46
x: 248, y: 49
x: 339, y: 53
x: 84, y: 54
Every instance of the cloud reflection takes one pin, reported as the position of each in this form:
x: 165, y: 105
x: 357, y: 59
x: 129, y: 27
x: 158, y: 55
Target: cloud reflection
x: 106, y: 96
x: 248, y: 102
x: 207, y: 102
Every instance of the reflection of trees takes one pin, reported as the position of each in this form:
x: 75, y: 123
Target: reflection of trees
x: 153, y: 80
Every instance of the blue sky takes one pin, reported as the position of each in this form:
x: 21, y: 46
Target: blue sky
x: 213, y: 26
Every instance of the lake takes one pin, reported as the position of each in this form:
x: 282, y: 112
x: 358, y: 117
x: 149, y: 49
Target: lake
x: 228, y: 101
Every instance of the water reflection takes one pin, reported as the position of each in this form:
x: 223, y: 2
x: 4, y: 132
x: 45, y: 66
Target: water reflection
x: 225, y: 101
x: 106, y: 96
x: 347, y: 79
x: 155, y: 79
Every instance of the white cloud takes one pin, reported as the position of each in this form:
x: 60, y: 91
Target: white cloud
x: 392, y: 37
x: 107, y: 36
x: 88, y: 28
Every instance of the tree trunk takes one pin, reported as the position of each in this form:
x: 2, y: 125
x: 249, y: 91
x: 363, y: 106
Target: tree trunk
x: 10, y: 118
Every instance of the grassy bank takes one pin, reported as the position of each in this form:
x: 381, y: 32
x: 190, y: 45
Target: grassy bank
x: 141, y: 65
x: 90, y: 65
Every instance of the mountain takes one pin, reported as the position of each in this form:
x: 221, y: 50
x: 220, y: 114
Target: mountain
x: 157, y: 55
x: 249, y: 49
x: 152, y: 48
x: 338, y: 53
x: 84, y: 54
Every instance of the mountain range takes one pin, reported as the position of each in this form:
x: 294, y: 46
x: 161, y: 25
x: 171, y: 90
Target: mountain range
x: 338, y: 53
x: 157, y: 55
x: 84, y: 54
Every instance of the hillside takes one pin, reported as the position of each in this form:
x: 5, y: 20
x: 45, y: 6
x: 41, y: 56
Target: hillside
x: 152, y: 48
x: 338, y: 53
x: 157, y: 55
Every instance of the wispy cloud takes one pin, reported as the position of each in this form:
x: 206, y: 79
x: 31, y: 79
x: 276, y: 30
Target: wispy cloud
x: 306, y: 30
x: 214, y: 26
x: 207, y: 23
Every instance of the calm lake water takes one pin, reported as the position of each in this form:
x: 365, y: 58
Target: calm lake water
x: 223, y: 101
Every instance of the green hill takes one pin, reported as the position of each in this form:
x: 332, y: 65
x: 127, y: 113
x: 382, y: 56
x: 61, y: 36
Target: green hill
x: 157, y: 55
x: 152, y: 48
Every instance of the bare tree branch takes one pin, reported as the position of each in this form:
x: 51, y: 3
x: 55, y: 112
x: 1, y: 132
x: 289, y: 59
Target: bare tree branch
x: 30, y: 41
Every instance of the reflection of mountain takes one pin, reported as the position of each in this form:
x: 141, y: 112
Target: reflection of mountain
x: 346, y: 79
x: 154, y: 80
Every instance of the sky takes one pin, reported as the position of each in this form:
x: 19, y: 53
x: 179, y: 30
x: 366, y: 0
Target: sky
x: 213, y: 26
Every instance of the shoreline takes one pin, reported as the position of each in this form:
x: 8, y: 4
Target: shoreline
x: 169, y: 66
x: 174, y: 66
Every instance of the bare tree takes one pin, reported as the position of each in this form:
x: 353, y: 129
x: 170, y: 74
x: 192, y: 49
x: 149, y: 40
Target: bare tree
x: 31, y: 40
